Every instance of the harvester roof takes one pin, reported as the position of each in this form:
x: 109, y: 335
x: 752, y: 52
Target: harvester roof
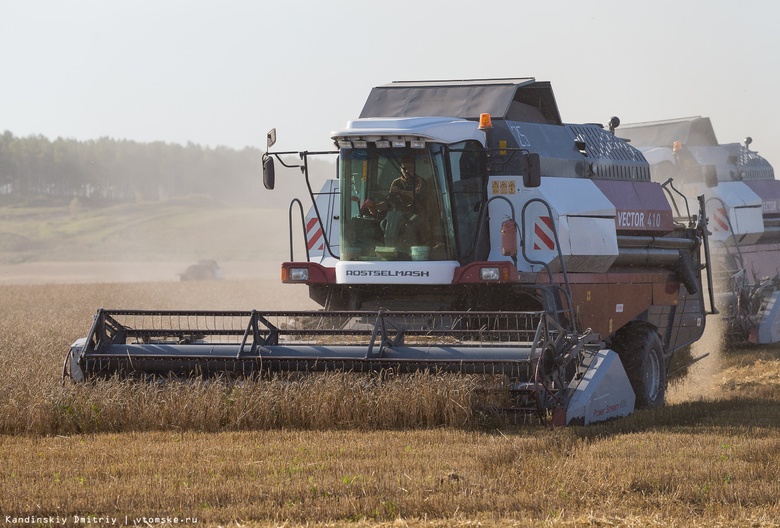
x: 694, y: 131
x: 734, y: 160
x: 516, y: 99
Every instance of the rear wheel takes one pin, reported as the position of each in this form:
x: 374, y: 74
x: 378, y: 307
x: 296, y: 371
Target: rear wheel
x: 642, y: 354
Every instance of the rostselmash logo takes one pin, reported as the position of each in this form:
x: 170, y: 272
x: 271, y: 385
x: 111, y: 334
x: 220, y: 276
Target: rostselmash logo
x: 388, y: 273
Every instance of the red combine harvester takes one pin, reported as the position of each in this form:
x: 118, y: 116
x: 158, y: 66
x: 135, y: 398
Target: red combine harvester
x: 469, y: 230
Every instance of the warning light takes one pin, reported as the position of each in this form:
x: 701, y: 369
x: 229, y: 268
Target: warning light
x: 485, y: 122
x: 677, y: 146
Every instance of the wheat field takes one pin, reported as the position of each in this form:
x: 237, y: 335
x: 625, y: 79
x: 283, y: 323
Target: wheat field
x: 340, y: 450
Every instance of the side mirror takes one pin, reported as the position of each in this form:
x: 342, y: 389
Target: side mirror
x: 269, y: 174
x: 710, y: 176
x: 271, y: 138
x: 532, y: 169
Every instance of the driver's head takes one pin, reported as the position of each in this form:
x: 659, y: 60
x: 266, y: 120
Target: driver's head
x: 407, y: 168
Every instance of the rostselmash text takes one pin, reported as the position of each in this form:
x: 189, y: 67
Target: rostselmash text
x: 387, y: 273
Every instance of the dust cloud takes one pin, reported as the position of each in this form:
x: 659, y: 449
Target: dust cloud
x: 703, y: 378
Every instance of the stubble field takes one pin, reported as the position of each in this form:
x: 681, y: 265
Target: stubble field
x: 338, y: 450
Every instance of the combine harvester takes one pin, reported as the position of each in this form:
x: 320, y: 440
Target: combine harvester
x: 469, y: 230
x: 743, y: 200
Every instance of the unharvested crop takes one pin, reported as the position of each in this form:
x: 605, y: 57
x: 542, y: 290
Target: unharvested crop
x: 42, y: 321
x: 328, y: 450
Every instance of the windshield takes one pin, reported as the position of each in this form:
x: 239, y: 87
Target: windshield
x: 395, y: 204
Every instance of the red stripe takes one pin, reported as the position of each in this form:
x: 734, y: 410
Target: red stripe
x: 315, y: 238
x: 547, y: 220
x: 541, y: 235
x: 719, y: 218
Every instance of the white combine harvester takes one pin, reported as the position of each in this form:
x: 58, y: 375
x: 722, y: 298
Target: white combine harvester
x: 468, y: 230
x: 743, y: 201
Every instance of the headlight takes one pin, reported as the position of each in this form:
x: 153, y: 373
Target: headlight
x: 489, y: 274
x: 299, y: 274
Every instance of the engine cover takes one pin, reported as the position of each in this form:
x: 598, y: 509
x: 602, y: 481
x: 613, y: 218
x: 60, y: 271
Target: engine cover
x: 735, y: 213
x: 580, y: 214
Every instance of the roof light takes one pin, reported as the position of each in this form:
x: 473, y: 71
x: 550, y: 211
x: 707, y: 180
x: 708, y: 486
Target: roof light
x: 344, y: 143
x: 383, y: 144
x: 485, y: 121
x: 360, y: 144
x: 417, y: 143
x: 399, y: 143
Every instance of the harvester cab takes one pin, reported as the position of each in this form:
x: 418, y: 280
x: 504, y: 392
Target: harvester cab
x: 469, y: 229
x: 743, y: 201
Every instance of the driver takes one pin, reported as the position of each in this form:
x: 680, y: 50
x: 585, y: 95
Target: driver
x: 411, y: 198
x: 406, y: 193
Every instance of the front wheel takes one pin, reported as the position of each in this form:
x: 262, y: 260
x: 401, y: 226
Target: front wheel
x: 642, y: 355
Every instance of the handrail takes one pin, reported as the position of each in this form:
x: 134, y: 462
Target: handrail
x: 303, y: 227
x: 670, y: 183
x: 705, y: 236
x: 567, y: 291
x: 305, y: 157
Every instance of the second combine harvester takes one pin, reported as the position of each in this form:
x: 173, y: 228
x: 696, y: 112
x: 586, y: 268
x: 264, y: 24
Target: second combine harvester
x: 743, y: 201
x: 469, y: 230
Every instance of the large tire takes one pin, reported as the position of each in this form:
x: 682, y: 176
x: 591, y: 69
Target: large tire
x: 642, y: 355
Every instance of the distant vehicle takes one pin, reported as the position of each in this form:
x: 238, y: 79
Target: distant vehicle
x: 203, y: 270
x: 743, y: 201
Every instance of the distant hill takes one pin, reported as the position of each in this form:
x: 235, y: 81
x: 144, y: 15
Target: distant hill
x: 186, y: 228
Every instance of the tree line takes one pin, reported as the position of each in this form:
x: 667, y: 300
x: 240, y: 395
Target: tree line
x: 108, y: 171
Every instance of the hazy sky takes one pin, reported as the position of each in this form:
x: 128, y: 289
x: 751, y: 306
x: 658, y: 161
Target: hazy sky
x: 223, y: 73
